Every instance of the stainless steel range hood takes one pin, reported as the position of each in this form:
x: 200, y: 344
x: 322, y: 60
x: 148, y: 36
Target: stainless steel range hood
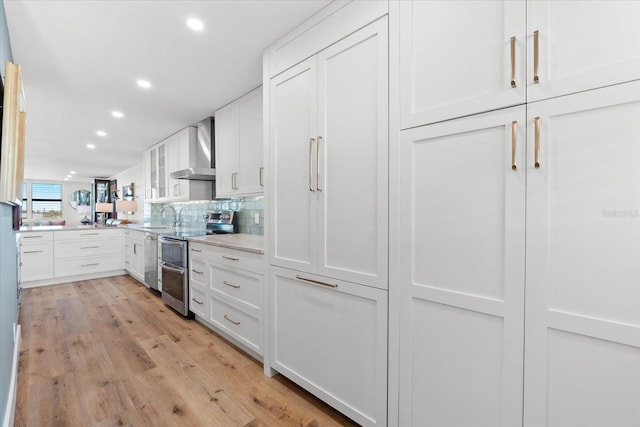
x: 201, y: 155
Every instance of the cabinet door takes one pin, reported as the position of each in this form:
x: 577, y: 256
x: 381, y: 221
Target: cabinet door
x: 462, y: 271
x: 162, y: 171
x: 173, y: 164
x: 352, y: 142
x: 292, y: 118
x: 456, y: 58
x: 582, y: 45
x: 36, y: 261
x: 583, y: 246
x: 148, y: 175
x: 226, y: 150
x: 250, y: 143
x: 333, y: 342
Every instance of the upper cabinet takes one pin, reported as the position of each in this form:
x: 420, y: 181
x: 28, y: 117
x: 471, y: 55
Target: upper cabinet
x: 239, y: 147
x: 170, y: 155
x: 492, y: 55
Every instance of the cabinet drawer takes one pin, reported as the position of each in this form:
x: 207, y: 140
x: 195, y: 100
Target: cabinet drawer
x: 243, y: 326
x: 79, y: 248
x: 198, y: 301
x: 88, y: 234
x: 231, y: 257
x: 87, y: 265
x: 198, y: 273
x: 28, y: 238
x: 36, y: 261
x: 243, y: 287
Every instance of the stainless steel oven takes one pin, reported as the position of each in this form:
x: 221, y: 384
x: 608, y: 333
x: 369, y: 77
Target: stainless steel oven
x: 175, y: 277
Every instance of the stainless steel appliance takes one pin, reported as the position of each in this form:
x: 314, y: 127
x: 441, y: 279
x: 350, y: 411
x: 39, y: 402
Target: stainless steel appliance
x: 174, y: 262
x: 202, y: 163
x: 151, y: 260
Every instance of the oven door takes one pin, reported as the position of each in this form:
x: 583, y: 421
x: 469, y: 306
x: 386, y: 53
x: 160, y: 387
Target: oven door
x: 174, y: 287
x: 174, y: 252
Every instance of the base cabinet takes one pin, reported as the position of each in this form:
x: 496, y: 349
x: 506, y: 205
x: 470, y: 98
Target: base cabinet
x: 226, y: 292
x: 36, y: 256
x: 134, y: 255
x: 330, y: 337
x: 87, y: 251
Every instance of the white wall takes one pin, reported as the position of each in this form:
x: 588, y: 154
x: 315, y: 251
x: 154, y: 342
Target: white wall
x: 133, y: 175
x: 68, y: 213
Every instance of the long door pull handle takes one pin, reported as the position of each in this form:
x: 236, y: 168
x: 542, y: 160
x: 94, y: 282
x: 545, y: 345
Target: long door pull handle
x: 536, y: 56
x: 513, y: 61
x: 318, y: 164
x: 311, y: 141
x: 537, y: 142
x: 317, y: 282
x: 514, y: 135
x: 261, y: 174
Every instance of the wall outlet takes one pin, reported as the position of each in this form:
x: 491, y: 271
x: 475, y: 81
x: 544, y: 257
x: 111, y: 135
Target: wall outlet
x: 256, y: 219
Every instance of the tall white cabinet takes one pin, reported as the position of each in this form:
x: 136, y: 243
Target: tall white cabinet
x: 517, y: 272
x: 328, y: 210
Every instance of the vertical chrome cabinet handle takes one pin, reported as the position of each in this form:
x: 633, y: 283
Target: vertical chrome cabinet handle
x: 514, y: 132
x: 537, y: 142
x: 536, y: 56
x: 318, y: 164
x: 261, y: 175
x: 311, y: 141
x: 513, y: 61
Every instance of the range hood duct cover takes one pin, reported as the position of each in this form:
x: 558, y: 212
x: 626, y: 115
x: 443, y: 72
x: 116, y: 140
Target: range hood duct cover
x: 201, y: 156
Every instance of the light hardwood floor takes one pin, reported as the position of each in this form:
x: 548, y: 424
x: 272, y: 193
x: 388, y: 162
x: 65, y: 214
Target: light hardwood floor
x: 108, y: 352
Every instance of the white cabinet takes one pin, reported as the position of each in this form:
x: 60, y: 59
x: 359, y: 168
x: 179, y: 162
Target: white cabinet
x: 332, y: 340
x: 464, y: 262
x: 155, y: 172
x: 134, y: 255
x: 172, y: 154
x: 459, y: 58
x: 239, y: 146
x: 582, y: 360
x: 226, y: 292
x: 329, y: 161
x: 36, y: 256
x: 464, y: 57
x: 462, y: 271
x: 581, y: 45
x: 88, y: 251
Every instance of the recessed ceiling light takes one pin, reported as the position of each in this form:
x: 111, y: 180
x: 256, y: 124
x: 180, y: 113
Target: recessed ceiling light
x: 91, y: 146
x: 195, y: 24
x: 69, y: 176
x: 66, y: 179
x: 144, y: 84
x: 72, y: 172
x: 101, y: 133
x: 117, y: 114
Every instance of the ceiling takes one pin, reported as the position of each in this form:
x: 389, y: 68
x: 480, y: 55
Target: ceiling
x: 81, y: 60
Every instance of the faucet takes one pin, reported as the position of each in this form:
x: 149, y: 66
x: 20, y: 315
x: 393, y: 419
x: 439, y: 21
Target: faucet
x: 175, y: 215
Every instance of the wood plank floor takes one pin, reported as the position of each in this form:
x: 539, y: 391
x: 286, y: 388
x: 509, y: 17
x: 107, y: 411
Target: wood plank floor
x: 108, y: 352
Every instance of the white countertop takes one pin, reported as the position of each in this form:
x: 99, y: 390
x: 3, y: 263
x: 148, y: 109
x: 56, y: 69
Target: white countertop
x: 29, y: 228
x: 239, y: 241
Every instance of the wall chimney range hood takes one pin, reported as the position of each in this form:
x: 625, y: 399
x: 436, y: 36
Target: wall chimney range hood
x: 201, y: 156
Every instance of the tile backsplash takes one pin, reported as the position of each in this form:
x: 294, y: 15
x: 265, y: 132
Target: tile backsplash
x: 191, y: 213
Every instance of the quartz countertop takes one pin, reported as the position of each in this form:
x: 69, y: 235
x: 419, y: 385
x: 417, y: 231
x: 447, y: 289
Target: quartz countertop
x: 29, y: 228
x: 239, y: 241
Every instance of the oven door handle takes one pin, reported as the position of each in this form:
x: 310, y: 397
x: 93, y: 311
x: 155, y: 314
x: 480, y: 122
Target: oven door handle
x: 176, y: 270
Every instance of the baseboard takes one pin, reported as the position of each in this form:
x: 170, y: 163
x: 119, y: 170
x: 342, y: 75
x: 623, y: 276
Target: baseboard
x: 10, y: 409
x: 68, y: 279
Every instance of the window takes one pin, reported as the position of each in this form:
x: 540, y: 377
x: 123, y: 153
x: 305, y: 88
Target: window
x: 45, y: 200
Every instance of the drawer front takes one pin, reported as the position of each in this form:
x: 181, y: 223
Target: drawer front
x: 87, y: 265
x: 198, y: 302
x: 241, y: 325
x: 198, y: 274
x: 243, y: 287
x: 80, y: 248
x: 231, y: 257
x: 36, y: 262
x: 28, y: 238
x: 92, y: 233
